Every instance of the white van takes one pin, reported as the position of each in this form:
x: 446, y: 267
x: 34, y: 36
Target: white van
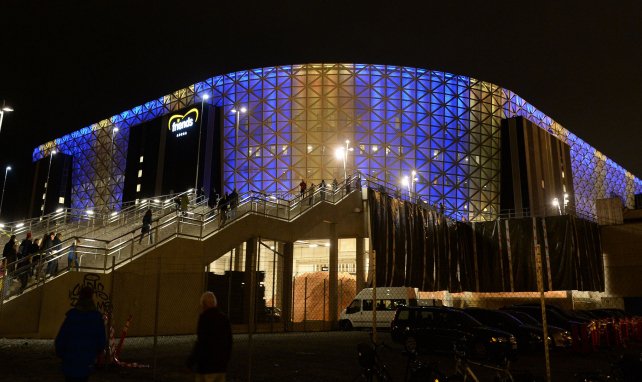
x: 359, y: 313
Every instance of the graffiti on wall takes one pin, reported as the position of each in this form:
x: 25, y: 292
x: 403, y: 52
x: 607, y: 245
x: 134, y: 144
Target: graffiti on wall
x: 101, y: 298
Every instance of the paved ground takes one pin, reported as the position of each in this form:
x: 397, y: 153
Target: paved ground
x: 327, y: 356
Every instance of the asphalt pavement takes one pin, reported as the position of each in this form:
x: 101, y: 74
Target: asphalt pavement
x: 321, y: 356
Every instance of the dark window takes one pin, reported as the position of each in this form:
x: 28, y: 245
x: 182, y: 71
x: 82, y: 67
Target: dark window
x: 354, y: 307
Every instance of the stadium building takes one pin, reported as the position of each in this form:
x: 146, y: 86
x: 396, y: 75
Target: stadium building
x: 392, y: 120
x: 448, y: 182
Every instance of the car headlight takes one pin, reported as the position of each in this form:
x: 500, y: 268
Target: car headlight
x: 502, y: 339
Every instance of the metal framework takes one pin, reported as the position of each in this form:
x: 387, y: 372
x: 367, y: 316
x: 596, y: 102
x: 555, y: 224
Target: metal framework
x: 396, y: 119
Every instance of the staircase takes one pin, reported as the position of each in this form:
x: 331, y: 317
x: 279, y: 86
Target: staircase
x: 109, y: 241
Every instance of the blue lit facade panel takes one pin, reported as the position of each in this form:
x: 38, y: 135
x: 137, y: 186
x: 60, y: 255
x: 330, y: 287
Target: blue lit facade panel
x: 397, y: 119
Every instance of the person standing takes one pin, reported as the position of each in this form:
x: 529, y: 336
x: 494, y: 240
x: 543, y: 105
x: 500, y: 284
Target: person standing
x: 23, y: 267
x: 302, y: 187
x: 322, y: 188
x: 311, y: 192
x: 234, y: 202
x: 222, y: 209
x: 9, y: 253
x: 184, y: 204
x: 52, y: 265
x: 213, y: 347
x: 147, y: 227
x: 81, y: 338
x: 72, y: 256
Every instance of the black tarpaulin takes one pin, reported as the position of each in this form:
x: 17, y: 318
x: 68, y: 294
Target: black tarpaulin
x: 490, y: 261
x: 420, y: 248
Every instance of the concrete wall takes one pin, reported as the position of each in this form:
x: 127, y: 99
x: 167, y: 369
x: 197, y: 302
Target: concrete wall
x: 39, y: 312
x: 622, y: 248
x: 161, y: 289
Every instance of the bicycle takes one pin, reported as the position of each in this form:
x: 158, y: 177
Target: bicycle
x: 418, y: 371
x: 627, y: 368
x: 463, y: 371
x: 372, y: 369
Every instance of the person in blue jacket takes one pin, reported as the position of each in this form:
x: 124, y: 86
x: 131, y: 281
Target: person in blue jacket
x: 81, y: 338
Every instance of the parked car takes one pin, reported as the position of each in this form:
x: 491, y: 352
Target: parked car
x: 438, y: 329
x: 561, y: 337
x: 529, y: 337
x: 554, y: 316
x: 359, y: 313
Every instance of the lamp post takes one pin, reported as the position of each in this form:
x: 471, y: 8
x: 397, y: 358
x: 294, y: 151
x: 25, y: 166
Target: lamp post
x: 406, y: 183
x: 6, y: 171
x: 413, y: 182
x: 410, y: 183
x: 237, y: 122
x: 44, y: 197
x: 204, y: 98
x: 341, y: 153
x: 111, y: 161
x: 4, y: 109
x: 556, y: 203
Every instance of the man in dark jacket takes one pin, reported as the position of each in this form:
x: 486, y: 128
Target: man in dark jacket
x: 147, y: 227
x: 9, y: 252
x: 213, y: 342
x: 23, y: 268
x: 81, y: 338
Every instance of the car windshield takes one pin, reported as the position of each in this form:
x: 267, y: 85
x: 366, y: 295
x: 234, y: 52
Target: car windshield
x: 465, y: 319
x: 524, y: 318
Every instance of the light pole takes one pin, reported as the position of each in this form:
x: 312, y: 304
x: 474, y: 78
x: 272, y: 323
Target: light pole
x: 406, y: 183
x: 413, y: 182
x: 204, y: 98
x: 341, y: 153
x: 4, y: 109
x: 111, y: 162
x: 410, y: 182
x: 237, y: 122
x: 6, y: 171
x: 556, y: 203
x: 44, y: 197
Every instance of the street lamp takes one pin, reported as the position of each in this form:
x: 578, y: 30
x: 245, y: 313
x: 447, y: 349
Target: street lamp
x: 44, y: 196
x: 4, y: 109
x: 413, y: 182
x: 111, y: 160
x: 410, y: 183
x: 237, y: 122
x: 204, y: 98
x: 406, y: 183
x: 341, y: 153
x: 556, y: 203
x: 6, y: 171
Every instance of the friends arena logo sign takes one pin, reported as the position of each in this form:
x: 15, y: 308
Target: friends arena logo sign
x: 179, y: 122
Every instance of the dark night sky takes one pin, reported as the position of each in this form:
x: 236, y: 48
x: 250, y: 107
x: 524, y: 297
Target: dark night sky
x: 65, y: 67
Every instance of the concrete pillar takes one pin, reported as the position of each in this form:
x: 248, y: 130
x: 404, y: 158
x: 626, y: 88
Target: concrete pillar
x: 286, y: 290
x: 361, y: 265
x: 249, y: 294
x: 333, y: 292
x: 237, y: 258
x: 278, y: 295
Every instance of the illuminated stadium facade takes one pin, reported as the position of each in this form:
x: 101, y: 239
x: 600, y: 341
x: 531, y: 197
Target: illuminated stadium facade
x: 397, y: 120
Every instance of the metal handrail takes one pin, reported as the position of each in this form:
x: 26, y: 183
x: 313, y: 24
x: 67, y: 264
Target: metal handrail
x: 169, y: 223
